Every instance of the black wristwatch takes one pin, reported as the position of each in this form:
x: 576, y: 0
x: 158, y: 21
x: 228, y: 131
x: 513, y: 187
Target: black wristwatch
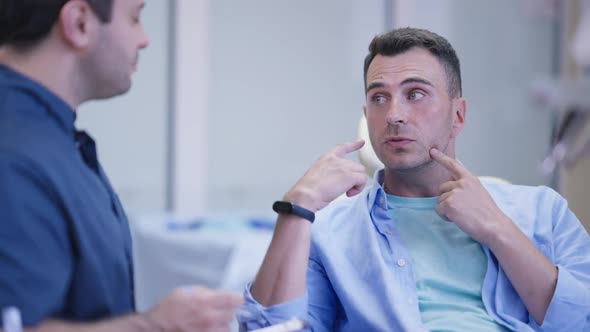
x: 283, y: 207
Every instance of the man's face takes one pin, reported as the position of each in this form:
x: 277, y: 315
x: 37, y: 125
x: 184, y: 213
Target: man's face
x: 409, y: 110
x: 113, y: 59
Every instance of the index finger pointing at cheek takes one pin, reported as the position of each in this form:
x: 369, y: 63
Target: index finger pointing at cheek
x: 345, y: 148
x: 449, y: 163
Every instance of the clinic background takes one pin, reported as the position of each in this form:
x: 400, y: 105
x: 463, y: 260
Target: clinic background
x: 234, y: 100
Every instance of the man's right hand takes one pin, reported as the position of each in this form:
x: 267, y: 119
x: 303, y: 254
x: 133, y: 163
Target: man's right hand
x: 282, y: 276
x: 195, y: 308
x: 330, y: 176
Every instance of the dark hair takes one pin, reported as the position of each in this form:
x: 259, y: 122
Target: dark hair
x: 398, y: 41
x: 24, y: 23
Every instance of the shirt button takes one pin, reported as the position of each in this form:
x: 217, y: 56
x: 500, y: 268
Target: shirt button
x: 382, y: 201
x: 401, y: 262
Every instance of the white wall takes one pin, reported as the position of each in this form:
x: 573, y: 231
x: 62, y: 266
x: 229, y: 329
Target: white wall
x: 188, y: 165
x: 131, y: 130
x: 286, y: 85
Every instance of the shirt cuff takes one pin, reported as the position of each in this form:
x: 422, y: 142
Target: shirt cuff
x: 254, y: 315
x: 569, y: 309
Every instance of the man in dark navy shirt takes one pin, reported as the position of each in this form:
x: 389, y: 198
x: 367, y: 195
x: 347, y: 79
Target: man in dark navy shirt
x: 65, y: 246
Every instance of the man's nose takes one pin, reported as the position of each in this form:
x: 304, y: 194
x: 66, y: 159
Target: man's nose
x: 145, y: 40
x: 397, y: 112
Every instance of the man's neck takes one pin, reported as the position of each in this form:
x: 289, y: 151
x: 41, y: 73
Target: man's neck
x: 422, y: 182
x: 47, y: 68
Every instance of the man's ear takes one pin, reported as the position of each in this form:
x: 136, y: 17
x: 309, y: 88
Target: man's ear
x: 459, y: 113
x: 78, y: 24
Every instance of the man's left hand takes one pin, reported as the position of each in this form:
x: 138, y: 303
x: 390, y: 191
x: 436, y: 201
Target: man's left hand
x: 466, y: 202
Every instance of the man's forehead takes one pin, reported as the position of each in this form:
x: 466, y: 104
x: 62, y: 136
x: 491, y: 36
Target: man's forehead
x: 412, y: 63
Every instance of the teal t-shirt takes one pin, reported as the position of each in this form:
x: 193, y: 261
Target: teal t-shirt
x: 449, y: 267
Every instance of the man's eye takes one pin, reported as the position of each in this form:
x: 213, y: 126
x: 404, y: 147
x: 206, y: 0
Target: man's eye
x: 415, y: 95
x: 379, y: 99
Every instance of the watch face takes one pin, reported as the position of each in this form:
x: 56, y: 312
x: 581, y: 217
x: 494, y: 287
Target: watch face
x: 282, y: 207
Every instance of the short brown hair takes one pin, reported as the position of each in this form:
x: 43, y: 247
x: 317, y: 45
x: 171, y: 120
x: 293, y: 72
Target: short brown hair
x: 24, y: 23
x: 401, y: 40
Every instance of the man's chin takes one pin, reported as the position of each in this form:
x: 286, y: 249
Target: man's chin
x: 115, y: 90
x: 407, y: 166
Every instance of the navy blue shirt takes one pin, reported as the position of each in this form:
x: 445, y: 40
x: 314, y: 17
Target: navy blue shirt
x: 65, y: 245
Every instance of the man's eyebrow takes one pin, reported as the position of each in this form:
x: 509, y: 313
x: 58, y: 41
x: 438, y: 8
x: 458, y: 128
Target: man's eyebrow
x: 374, y: 85
x: 410, y: 80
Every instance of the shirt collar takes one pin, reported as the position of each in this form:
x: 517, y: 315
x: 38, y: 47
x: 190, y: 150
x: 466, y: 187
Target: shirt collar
x: 377, y: 195
x: 53, y: 104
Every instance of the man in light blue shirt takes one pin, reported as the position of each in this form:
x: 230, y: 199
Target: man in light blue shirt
x: 427, y: 245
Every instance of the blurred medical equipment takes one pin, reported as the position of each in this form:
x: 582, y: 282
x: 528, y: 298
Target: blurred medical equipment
x: 571, y: 99
x: 217, y: 251
x: 581, y: 44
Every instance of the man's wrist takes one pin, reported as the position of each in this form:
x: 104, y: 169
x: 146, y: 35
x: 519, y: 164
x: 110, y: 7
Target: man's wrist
x: 499, y: 233
x: 301, y: 198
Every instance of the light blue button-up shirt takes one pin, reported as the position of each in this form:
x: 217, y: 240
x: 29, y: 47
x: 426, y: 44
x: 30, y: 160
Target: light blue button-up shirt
x: 359, y: 278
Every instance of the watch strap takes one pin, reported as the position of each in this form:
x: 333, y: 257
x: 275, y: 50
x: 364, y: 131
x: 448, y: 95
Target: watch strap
x: 283, y: 207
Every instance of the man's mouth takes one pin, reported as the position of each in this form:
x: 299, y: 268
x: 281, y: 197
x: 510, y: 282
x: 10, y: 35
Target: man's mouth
x: 398, y: 141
